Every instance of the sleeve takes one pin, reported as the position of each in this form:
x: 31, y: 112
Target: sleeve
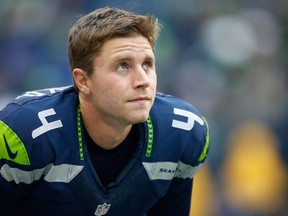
x: 10, y: 192
x: 10, y: 196
x: 177, y: 200
x: 6, y: 202
x: 204, y: 141
x: 13, y: 156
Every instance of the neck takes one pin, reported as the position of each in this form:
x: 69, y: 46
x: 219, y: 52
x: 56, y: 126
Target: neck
x: 106, y: 134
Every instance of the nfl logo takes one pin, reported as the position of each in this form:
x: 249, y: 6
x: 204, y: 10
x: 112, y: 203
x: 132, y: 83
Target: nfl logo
x: 102, y: 209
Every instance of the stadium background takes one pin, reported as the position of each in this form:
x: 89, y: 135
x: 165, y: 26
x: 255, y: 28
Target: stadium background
x: 229, y: 58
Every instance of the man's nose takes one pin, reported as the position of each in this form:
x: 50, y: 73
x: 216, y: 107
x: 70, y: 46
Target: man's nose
x: 140, y: 78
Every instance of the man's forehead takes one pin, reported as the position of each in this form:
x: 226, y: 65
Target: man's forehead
x: 137, y: 44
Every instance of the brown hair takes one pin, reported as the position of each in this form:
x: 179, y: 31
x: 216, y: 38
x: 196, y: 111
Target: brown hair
x: 90, y: 32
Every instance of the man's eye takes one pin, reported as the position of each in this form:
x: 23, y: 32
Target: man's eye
x: 122, y: 67
x: 147, y: 65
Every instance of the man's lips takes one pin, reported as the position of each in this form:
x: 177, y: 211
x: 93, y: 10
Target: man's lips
x: 139, y: 99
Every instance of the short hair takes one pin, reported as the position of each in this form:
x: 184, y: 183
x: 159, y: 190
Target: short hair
x: 90, y: 32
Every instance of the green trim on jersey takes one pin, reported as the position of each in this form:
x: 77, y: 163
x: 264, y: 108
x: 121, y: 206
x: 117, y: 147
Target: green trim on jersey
x: 150, y: 137
x: 11, y: 146
x: 79, y: 131
x: 206, y: 146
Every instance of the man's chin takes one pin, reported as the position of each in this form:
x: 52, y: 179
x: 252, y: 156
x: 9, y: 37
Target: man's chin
x: 139, y: 118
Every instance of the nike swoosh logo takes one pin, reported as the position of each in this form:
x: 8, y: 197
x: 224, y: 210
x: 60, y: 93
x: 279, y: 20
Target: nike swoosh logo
x: 11, y: 154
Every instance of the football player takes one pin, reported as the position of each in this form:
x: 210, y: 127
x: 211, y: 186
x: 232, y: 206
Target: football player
x: 109, y: 144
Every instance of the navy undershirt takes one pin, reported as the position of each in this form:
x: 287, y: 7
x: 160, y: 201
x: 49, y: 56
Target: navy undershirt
x: 109, y: 163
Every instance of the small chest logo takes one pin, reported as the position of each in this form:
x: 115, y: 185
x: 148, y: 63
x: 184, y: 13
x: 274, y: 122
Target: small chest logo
x: 102, y: 209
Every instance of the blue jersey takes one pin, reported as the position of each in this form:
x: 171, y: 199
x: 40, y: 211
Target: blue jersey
x: 45, y: 167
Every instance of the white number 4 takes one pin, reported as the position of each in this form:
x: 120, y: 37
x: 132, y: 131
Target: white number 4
x: 46, y: 126
x: 191, y: 118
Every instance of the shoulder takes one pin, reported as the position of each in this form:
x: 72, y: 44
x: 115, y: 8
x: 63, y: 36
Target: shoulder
x: 180, y: 122
x: 34, y: 101
x: 181, y: 114
x: 26, y: 121
x: 168, y: 102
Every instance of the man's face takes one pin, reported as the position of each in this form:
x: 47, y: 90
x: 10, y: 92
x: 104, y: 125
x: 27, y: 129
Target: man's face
x: 123, y: 83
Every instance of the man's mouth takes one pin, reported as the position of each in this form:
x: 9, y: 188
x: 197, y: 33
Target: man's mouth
x: 140, y: 99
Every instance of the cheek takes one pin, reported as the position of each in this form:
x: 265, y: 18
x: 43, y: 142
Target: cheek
x: 107, y: 90
x: 153, y: 79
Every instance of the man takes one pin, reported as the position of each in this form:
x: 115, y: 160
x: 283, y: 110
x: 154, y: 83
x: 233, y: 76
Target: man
x: 110, y: 145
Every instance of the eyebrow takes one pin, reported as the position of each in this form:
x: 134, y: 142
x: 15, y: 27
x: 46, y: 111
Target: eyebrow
x: 125, y: 58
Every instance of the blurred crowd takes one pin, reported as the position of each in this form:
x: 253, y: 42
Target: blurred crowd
x: 228, y: 58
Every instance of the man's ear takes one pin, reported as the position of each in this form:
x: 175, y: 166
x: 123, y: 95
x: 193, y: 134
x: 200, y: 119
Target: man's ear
x: 81, y: 80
